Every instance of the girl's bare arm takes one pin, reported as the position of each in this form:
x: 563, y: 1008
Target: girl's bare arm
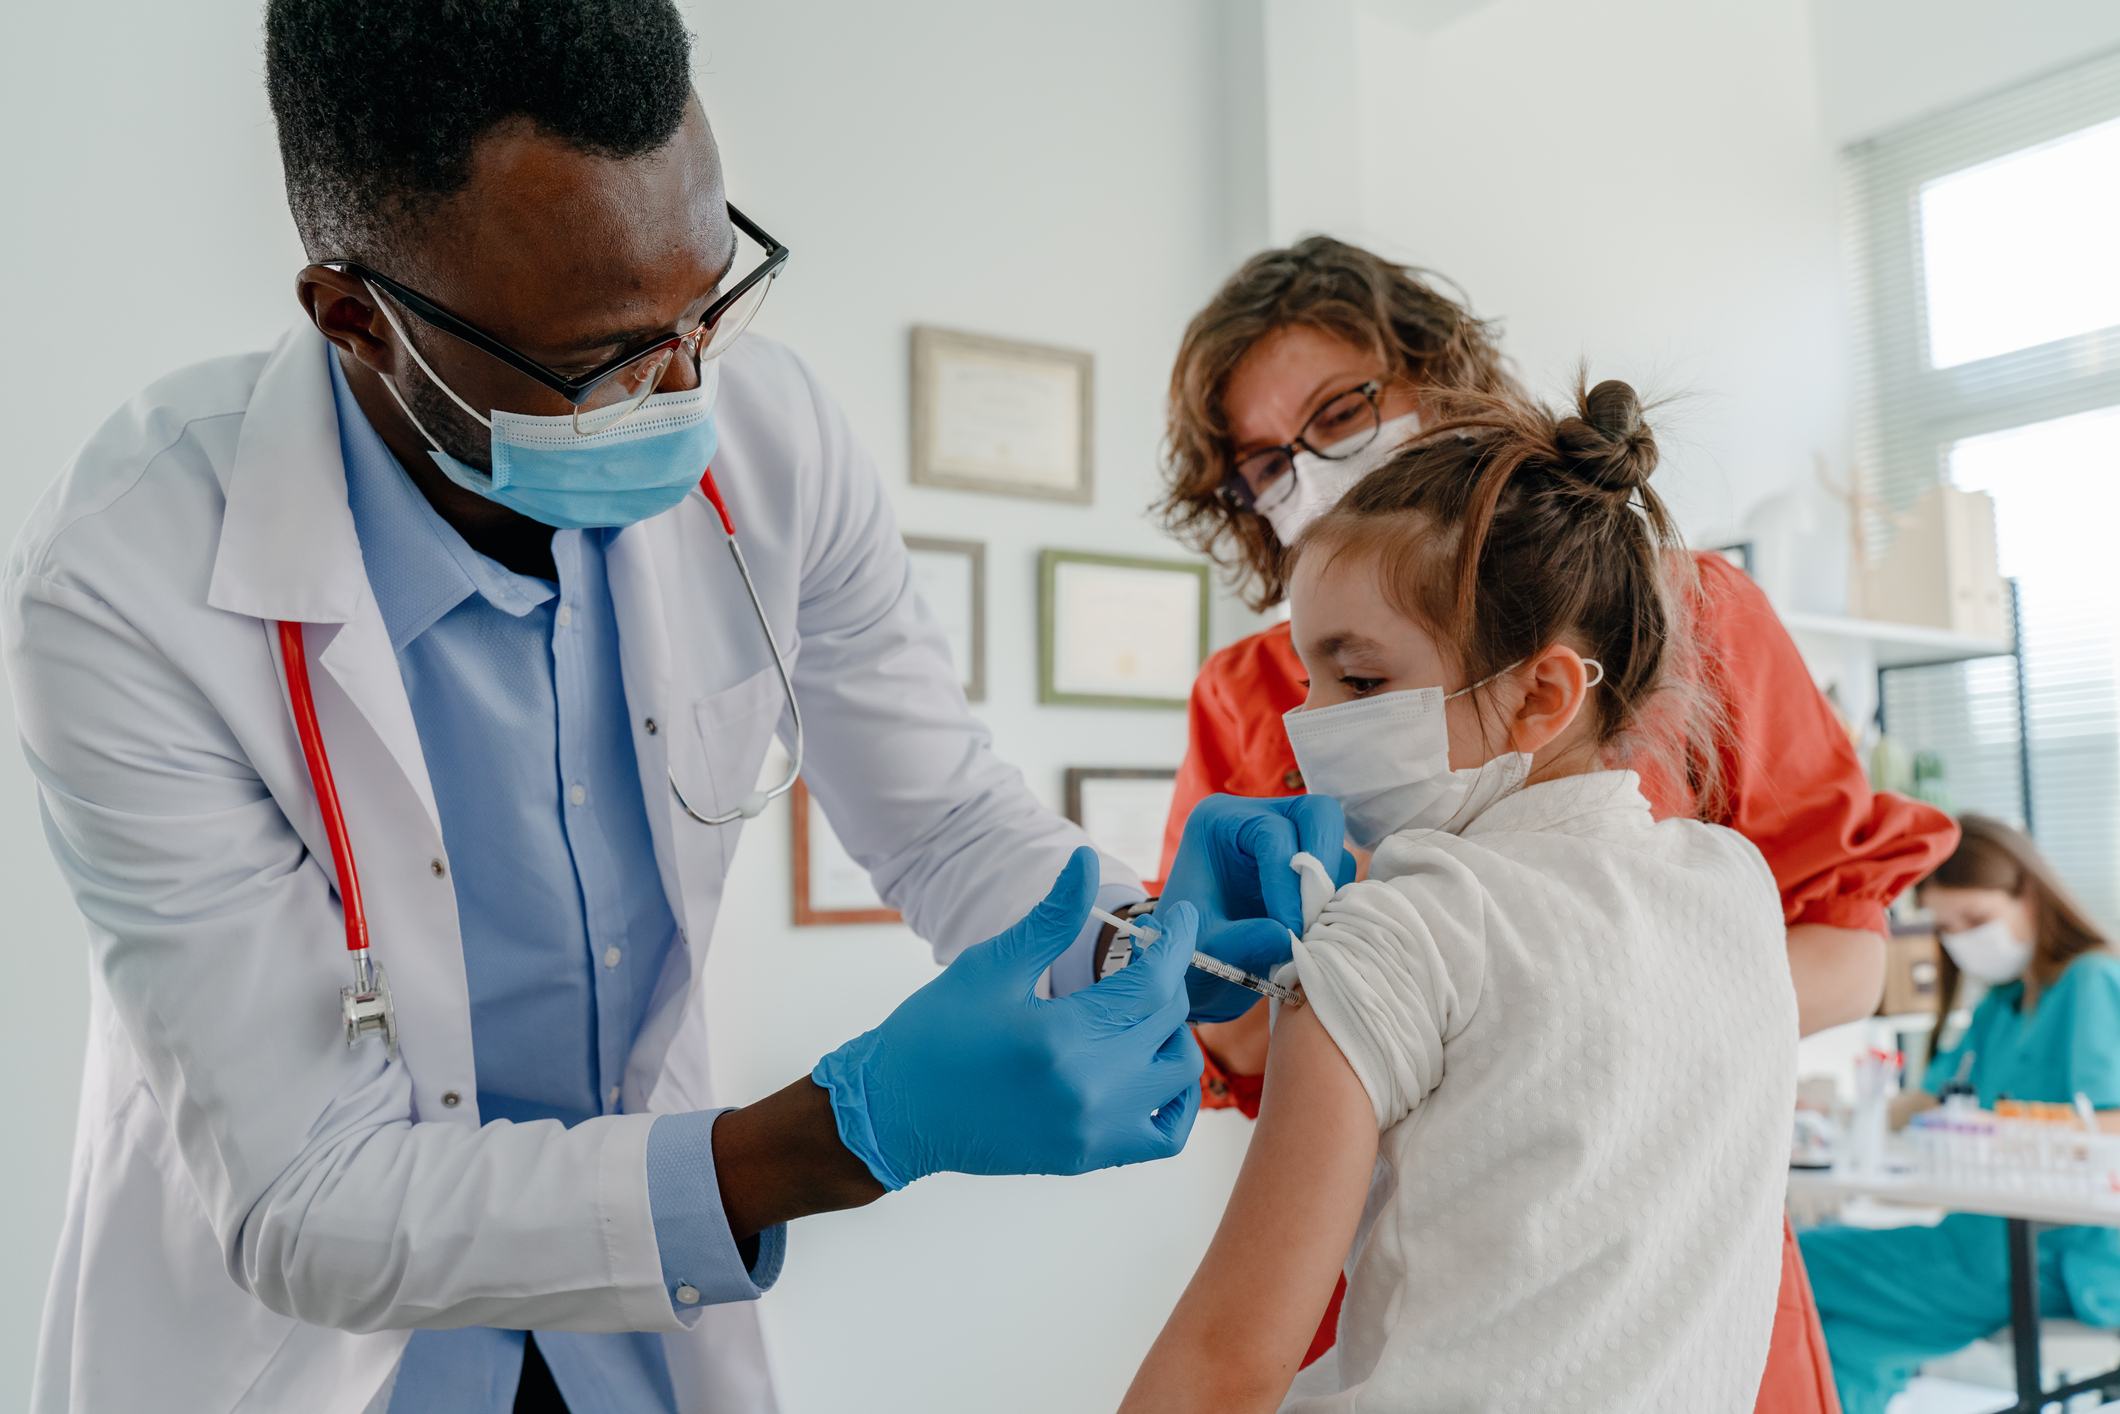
x: 1238, y: 1334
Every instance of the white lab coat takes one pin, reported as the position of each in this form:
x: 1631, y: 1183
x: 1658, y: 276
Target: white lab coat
x: 258, y: 1213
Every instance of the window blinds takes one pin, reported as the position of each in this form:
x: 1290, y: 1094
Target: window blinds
x: 1909, y: 411
x: 1962, y: 224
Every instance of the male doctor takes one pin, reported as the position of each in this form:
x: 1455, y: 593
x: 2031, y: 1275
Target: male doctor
x: 471, y: 475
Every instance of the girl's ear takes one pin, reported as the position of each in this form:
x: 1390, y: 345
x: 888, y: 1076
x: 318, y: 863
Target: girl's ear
x: 1556, y: 684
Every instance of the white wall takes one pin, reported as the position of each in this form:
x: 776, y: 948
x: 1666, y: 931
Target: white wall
x: 141, y: 228
x: 1882, y: 63
x: 1053, y: 174
x: 1048, y: 173
x: 1638, y: 182
x: 1653, y: 185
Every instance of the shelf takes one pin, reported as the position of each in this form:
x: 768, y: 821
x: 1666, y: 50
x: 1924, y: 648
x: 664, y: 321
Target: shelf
x: 1897, y: 645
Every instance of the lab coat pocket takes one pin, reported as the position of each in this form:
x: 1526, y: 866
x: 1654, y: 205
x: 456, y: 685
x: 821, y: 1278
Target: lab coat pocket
x: 735, y: 728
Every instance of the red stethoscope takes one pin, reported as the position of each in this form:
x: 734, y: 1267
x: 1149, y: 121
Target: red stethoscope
x: 366, y: 1006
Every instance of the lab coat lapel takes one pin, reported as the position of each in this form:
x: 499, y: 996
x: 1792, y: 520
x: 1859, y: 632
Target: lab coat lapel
x: 288, y: 549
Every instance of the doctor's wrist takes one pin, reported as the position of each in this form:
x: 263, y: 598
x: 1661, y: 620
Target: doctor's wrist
x: 781, y: 1159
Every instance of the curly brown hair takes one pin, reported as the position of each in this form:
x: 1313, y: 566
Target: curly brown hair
x: 1423, y: 337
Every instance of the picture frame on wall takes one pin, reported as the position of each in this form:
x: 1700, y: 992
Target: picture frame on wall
x: 1001, y: 416
x: 950, y: 577
x: 829, y: 886
x: 1124, y: 809
x: 1119, y: 631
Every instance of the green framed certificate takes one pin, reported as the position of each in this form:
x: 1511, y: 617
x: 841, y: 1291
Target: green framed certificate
x: 1115, y: 631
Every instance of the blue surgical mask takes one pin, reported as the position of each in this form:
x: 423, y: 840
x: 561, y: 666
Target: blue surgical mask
x: 544, y: 469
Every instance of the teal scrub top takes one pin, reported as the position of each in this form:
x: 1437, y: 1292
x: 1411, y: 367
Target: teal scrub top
x: 2070, y: 1042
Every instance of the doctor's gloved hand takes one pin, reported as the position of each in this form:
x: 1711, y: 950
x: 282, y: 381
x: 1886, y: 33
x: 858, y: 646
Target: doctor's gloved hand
x: 974, y: 1073
x: 1233, y: 867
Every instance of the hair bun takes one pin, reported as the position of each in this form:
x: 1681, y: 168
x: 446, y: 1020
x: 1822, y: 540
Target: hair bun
x: 1606, y: 442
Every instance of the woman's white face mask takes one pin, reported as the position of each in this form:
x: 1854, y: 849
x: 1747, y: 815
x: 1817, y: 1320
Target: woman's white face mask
x: 1990, y: 952
x: 1314, y: 484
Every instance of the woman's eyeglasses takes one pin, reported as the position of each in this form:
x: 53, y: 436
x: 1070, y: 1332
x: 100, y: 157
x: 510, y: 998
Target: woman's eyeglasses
x: 1344, y: 426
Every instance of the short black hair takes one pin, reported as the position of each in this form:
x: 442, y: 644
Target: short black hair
x: 380, y: 102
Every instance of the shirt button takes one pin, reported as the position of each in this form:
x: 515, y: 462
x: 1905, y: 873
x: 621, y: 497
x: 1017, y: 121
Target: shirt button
x: 566, y: 615
x: 614, y: 1094
x: 688, y: 1295
x: 437, y: 867
x: 611, y: 957
x: 1293, y: 780
x: 578, y: 794
x: 649, y: 726
x: 450, y: 1099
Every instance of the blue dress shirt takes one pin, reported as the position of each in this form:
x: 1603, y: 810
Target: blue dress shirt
x: 521, y: 712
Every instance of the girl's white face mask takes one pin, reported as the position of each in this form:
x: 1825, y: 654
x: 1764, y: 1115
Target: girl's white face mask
x: 1386, y: 760
x: 1990, y: 952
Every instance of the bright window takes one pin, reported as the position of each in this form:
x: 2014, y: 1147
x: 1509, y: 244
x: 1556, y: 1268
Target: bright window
x: 2056, y: 486
x: 1985, y: 242
x: 2023, y: 250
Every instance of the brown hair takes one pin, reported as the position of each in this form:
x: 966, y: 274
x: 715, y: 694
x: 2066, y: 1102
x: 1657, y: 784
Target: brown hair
x: 1992, y: 855
x: 1418, y: 334
x: 1510, y: 528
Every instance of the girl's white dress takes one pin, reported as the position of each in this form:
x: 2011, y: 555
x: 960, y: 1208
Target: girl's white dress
x: 1578, y: 1031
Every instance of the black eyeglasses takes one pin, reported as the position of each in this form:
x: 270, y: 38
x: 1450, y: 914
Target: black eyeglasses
x: 610, y: 393
x: 1345, y: 425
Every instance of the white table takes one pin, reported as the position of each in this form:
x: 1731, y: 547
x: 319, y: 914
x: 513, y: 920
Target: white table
x: 2020, y: 1210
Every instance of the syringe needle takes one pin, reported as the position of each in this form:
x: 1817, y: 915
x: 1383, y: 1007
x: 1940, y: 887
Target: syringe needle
x: 1213, y: 966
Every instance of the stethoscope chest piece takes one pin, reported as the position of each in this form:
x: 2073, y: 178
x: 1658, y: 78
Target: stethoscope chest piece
x: 366, y: 1005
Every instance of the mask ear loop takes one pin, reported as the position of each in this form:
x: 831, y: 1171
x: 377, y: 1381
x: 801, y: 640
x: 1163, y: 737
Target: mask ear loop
x: 432, y: 377
x: 1452, y: 823
x: 1482, y: 767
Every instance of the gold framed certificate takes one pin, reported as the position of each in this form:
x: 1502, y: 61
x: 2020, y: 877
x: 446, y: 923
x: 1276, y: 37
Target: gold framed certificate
x: 1124, y: 809
x: 950, y: 578
x: 829, y: 886
x: 995, y: 415
x: 1115, y: 631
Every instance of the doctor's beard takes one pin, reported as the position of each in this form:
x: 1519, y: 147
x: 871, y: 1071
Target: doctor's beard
x: 458, y: 432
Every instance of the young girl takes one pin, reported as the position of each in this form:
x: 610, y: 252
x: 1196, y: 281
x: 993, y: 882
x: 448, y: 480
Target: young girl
x: 1567, y: 1029
x: 2048, y: 1029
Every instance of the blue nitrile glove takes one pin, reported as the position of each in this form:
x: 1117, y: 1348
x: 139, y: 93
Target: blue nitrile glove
x: 974, y: 1073
x: 1232, y: 866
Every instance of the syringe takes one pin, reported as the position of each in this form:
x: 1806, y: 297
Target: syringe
x: 1213, y: 966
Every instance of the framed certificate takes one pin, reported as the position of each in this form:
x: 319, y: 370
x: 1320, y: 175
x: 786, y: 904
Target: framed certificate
x: 829, y: 886
x: 950, y: 577
x: 1124, y: 810
x: 1119, y: 632
x: 999, y: 416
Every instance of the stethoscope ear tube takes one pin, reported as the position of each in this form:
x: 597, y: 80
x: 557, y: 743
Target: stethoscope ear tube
x: 365, y: 1006
x: 754, y: 803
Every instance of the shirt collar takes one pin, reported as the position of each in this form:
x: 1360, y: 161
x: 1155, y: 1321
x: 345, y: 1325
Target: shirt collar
x: 419, y: 568
x: 1592, y: 803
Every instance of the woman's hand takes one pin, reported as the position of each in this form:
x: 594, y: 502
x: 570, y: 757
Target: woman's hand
x: 1908, y: 1103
